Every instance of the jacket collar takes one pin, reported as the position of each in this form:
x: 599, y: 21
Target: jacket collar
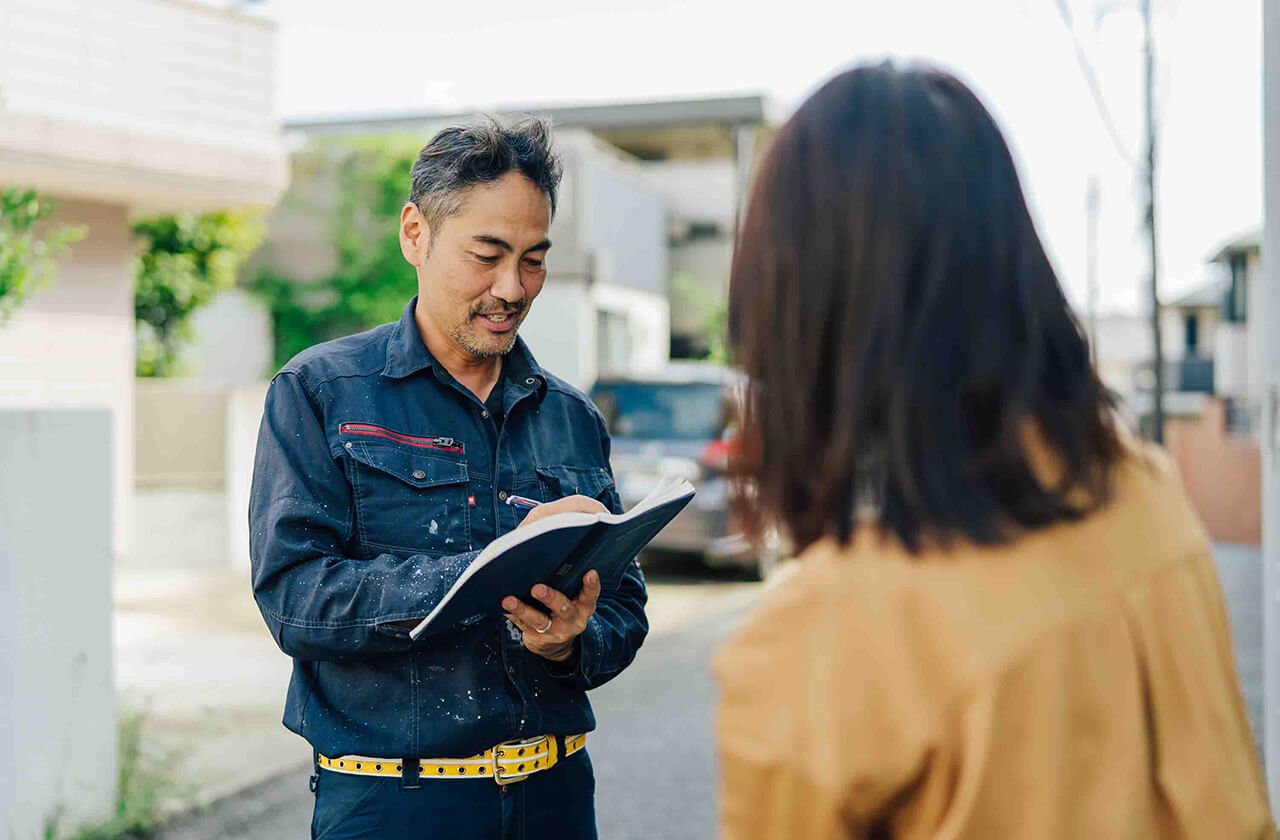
x: 407, y: 354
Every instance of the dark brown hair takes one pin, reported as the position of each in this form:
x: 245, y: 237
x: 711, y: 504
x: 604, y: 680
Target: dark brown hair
x: 902, y: 328
x: 462, y: 156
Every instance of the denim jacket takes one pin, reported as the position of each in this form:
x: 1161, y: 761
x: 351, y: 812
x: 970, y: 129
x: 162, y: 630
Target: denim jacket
x: 378, y: 478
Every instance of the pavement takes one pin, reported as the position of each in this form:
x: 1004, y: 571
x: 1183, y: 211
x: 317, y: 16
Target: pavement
x: 193, y: 656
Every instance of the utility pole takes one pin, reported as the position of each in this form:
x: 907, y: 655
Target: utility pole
x: 1091, y: 203
x: 1145, y: 166
x: 1269, y: 327
x: 1149, y: 173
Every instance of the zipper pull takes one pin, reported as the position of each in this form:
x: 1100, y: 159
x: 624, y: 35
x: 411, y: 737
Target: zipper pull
x: 442, y: 441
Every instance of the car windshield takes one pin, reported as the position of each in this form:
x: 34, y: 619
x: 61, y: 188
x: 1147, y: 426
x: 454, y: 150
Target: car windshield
x: 661, y: 411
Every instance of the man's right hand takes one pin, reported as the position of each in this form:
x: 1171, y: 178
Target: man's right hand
x: 569, y: 504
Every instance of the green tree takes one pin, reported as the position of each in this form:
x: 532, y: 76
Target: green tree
x: 26, y: 254
x: 187, y: 260
x: 372, y: 281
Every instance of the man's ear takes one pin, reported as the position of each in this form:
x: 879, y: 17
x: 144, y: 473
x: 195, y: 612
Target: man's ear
x: 415, y: 235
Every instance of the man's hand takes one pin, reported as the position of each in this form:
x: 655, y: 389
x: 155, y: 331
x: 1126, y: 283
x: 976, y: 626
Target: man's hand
x: 568, y: 619
x: 575, y: 504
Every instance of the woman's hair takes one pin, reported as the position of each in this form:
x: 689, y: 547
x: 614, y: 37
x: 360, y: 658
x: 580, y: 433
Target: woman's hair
x: 902, y: 329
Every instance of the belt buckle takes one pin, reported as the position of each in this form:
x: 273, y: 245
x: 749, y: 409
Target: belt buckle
x: 499, y: 754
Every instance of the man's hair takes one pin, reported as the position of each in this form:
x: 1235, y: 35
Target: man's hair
x: 463, y: 156
x: 903, y: 330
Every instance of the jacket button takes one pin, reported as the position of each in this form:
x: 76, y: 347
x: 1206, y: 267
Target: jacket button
x: 530, y: 381
x: 419, y: 474
x: 502, y: 495
x: 485, y: 413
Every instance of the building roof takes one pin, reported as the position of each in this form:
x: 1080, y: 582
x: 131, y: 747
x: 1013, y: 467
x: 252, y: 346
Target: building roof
x: 1248, y: 242
x: 1208, y: 295
x: 731, y: 110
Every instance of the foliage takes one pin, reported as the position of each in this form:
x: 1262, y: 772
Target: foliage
x: 26, y: 256
x: 144, y: 782
x: 712, y: 311
x: 187, y: 260
x: 371, y: 281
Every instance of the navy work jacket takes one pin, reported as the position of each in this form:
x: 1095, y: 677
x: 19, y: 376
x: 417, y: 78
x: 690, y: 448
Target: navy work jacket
x: 378, y: 478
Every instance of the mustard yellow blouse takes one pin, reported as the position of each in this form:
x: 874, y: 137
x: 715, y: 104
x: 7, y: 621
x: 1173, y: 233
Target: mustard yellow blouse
x: 1078, y: 682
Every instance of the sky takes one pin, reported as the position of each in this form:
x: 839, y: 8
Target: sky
x: 1017, y: 55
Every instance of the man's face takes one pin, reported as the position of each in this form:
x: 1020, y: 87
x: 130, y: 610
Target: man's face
x: 481, y: 271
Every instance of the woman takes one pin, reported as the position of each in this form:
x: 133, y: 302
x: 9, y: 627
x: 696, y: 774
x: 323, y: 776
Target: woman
x: 1005, y: 621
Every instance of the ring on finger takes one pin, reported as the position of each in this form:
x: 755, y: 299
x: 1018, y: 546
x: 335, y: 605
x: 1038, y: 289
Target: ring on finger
x: 550, y: 621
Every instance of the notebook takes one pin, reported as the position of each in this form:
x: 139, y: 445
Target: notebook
x: 557, y: 551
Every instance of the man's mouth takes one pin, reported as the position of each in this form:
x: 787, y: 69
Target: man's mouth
x: 497, y: 321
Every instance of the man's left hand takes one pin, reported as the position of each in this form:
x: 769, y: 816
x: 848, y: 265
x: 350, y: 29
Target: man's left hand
x: 560, y: 629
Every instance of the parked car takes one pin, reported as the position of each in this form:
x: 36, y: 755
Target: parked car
x: 682, y: 421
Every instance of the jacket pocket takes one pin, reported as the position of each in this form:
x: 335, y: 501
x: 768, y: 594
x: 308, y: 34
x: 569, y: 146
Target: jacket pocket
x: 560, y: 481
x: 410, y: 496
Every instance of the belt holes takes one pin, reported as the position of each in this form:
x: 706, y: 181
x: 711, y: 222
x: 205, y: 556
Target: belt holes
x: 519, y: 768
x: 440, y: 770
x: 462, y: 771
x: 377, y: 767
x: 521, y: 751
x: 342, y: 764
x: 358, y: 766
x: 399, y: 768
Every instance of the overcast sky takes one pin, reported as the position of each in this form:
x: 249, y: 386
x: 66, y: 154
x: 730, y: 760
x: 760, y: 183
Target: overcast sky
x: 376, y: 55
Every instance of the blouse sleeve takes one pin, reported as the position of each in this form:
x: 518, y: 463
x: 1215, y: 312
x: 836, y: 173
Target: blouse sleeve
x: 819, y: 726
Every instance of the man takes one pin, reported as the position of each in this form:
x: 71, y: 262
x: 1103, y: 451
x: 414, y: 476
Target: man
x: 385, y: 461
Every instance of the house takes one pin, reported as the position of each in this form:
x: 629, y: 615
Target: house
x: 1213, y: 381
x: 111, y: 109
x: 695, y: 156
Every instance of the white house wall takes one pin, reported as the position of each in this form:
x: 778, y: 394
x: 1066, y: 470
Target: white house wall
x: 156, y: 103
x: 648, y: 323
x: 560, y: 330
x: 71, y: 344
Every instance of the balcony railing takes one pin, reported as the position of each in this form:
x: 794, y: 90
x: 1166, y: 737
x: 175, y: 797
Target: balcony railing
x: 1193, y: 375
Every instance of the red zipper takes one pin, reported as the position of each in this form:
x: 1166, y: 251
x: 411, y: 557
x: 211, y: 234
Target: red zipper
x: 446, y: 443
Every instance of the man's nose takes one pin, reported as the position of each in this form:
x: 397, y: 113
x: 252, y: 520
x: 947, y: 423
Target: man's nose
x: 507, y: 287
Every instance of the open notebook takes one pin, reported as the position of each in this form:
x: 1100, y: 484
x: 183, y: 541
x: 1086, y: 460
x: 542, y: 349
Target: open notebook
x: 558, y: 551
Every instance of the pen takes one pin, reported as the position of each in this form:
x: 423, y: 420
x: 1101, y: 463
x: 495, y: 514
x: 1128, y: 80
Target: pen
x: 522, y: 502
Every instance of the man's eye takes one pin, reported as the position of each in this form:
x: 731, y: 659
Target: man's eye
x: 533, y: 263
x: 486, y: 260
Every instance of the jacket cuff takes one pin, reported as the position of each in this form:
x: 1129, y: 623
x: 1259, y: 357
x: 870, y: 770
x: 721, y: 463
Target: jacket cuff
x: 584, y: 664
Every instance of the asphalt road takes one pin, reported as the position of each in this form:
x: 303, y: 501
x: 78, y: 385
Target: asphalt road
x: 657, y: 716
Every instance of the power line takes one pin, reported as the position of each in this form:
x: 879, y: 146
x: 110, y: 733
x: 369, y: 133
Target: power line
x: 1095, y: 89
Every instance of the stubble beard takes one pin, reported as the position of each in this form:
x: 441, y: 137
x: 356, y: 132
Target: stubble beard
x: 465, y: 336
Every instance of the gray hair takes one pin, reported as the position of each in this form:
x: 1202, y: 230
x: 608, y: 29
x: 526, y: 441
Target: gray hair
x: 462, y: 156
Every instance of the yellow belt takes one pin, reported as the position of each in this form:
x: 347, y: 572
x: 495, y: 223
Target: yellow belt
x: 510, y: 761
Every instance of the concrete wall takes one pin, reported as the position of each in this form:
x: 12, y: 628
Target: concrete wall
x: 71, y: 344
x: 1222, y: 474
x: 195, y: 453
x: 57, y: 701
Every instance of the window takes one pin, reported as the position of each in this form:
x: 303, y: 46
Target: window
x: 1235, y: 308
x: 613, y: 341
x: 1193, y: 334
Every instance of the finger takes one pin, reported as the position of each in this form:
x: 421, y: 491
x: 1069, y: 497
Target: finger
x: 526, y: 628
x: 555, y: 599
x: 590, y: 591
x: 524, y: 615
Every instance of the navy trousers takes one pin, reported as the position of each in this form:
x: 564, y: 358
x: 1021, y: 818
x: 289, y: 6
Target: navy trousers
x: 558, y: 803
